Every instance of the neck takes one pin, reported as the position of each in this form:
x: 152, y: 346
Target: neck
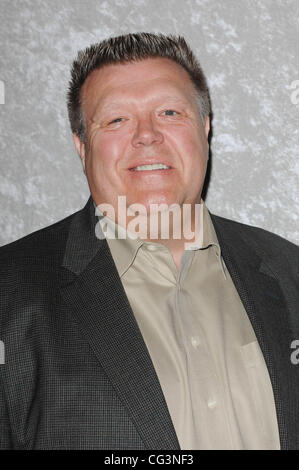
x: 176, y: 248
x: 175, y: 230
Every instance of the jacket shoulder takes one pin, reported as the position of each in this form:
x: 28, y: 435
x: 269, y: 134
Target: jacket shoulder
x: 264, y: 242
x: 44, y: 243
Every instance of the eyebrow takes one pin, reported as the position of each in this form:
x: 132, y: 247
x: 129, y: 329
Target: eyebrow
x: 114, y: 104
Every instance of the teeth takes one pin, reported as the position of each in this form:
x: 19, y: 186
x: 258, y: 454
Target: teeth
x: 156, y: 166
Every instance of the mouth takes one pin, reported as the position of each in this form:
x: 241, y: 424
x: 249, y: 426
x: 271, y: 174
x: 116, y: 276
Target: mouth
x: 151, y: 167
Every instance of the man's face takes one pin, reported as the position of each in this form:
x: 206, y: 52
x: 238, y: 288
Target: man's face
x: 139, y: 114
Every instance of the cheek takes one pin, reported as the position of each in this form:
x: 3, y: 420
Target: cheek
x: 106, y: 150
x: 191, y: 146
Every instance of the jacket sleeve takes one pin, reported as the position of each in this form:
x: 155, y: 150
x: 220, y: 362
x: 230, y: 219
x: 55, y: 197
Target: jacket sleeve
x: 5, y: 434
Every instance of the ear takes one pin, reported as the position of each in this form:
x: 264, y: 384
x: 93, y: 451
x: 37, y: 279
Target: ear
x: 207, y: 126
x: 80, y: 147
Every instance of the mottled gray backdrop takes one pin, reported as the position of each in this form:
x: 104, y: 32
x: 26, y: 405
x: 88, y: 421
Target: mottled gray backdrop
x: 249, y: 51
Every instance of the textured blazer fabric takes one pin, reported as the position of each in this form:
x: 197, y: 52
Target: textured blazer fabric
x: 77, y: 373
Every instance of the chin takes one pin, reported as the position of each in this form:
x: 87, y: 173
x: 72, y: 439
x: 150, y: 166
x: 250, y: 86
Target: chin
x: 147, y: 200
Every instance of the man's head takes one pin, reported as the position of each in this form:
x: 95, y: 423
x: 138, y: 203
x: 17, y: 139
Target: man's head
x: 136, y: 100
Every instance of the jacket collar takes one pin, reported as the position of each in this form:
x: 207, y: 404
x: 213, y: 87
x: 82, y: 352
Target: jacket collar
x: 124, y: 248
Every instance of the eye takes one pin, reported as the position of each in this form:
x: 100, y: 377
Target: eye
x: 170, y: 112
x: 115, y: 121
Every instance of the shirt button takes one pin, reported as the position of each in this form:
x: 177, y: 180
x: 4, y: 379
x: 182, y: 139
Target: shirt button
x: 212, y: 404
x: 195, y: 341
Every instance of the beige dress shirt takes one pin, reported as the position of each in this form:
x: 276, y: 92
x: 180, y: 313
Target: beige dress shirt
x: 201, y: 342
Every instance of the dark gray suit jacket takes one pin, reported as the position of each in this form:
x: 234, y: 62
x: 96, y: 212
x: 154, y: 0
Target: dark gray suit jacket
x: 77, y: 373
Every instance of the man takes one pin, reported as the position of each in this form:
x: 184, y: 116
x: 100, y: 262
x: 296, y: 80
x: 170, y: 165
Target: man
x: 148, y: 342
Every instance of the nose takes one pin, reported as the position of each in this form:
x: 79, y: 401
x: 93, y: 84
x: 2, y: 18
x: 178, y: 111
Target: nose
x: 146, y: 133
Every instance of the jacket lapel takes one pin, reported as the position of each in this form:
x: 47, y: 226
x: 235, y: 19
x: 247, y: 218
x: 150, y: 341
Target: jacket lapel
x: 93, y: 291
x: 264, y: 303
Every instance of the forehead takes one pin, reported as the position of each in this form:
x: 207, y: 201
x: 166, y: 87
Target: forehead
x: 153, y: 76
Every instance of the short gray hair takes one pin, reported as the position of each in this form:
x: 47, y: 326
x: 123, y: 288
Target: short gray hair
x: 130, y: 48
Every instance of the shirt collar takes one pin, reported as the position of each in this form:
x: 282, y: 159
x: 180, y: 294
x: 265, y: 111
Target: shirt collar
x: 124, y: 248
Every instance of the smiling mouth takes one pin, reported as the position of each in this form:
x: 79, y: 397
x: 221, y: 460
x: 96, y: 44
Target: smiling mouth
x: 155, y: 166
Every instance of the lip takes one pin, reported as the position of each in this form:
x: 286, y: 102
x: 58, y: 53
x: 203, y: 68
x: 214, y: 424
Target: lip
x: 148, y: 173
x: 150, y: 162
